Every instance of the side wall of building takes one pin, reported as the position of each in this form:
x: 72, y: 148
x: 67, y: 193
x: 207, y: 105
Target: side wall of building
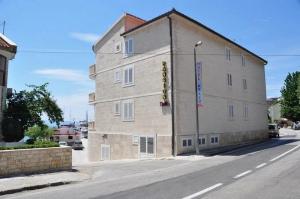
x: 214, y: 120
x: 151, y: 48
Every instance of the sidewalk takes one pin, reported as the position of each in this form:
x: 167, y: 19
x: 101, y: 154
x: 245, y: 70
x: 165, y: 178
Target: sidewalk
x: 37, y: 181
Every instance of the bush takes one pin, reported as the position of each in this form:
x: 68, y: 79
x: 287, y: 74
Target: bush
x: 37, y: 144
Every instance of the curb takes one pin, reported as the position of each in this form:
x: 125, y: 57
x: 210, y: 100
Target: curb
x: 54, y: 184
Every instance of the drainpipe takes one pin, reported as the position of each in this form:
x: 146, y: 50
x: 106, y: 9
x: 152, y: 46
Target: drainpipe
x: 172, y: 86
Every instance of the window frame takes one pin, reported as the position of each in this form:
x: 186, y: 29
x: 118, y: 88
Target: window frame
x: 244, y: 84
x: 126, y: 47
x: 4, y: 83
x: 127, y: 68
x: 230, y: 111
x: 227, y: 54
x: 117, y: 113
x: 187, y: 143
x: 215, y: 139
x: 243, y: 59
x: 229, y: 79
x: 119, y: 43
x: 117, y: 79
x: 126, y: 103
x: 200, y: 139
x: 245, y: 111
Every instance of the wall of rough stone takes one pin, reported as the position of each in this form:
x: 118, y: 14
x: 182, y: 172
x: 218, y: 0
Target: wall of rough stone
x: 27, y: 161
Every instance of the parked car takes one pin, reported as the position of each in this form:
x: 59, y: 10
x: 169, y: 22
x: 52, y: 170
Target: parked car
x: 273, y: 131
x: 77, y: 145
x: 62, y: 143
x: 297, y: 125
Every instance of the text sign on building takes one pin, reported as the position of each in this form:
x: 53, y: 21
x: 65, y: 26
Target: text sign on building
x: 199, y: 84
x: 165, y: 101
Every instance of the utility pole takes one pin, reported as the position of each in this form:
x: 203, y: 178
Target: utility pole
x: 3, y: 24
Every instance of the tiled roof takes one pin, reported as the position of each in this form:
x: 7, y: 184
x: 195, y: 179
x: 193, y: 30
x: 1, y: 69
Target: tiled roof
x: 7, y: 45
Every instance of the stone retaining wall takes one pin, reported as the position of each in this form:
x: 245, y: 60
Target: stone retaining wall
x: 28, y: 161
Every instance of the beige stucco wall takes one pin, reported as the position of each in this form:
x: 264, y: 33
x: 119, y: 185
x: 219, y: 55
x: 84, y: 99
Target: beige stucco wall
x: 150, y: 118
x: 25, y: 161
x: 213, y: 116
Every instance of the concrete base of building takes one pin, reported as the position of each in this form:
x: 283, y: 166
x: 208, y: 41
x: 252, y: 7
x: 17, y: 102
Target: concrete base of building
x: 108, y: 146
x: 104, y: 146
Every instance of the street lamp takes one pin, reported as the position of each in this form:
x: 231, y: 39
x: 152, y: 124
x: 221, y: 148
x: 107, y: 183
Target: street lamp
x: 199, y: 43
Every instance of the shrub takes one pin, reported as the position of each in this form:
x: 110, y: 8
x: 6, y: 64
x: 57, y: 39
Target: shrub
x: 37, y: 144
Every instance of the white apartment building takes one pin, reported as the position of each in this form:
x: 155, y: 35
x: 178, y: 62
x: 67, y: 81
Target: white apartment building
x: 145, y: 97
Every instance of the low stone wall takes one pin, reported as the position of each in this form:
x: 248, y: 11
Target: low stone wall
x: 28, y: 161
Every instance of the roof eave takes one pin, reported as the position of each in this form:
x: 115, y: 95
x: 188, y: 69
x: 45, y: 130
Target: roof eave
x: 173, y: 11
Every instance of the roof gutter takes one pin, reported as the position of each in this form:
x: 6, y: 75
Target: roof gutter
x: 172, y: 85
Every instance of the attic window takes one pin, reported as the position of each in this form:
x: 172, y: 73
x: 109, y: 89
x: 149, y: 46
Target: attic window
x: 118, y: 47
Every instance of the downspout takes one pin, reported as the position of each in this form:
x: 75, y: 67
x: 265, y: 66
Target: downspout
x: 172, y: 85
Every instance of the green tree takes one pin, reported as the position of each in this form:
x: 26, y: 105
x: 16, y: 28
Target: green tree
x: 290, y: 103
x: 25, y: 109
x: 39, y: 132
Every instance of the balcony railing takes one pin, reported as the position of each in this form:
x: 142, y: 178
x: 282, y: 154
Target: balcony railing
x: 91, y: 126
x: 92, y: 71
x: 92, y: 97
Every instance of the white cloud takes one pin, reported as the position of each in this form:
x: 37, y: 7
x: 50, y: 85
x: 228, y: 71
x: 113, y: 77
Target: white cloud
x: 75, y: 106
x: 87, y: 37
x: 76, y: 76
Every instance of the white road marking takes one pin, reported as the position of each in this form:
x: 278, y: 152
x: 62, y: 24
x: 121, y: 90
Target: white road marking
x: 285, y: 153
x: 261, y: 165
x: 242, y: 174
x: 203, y: 191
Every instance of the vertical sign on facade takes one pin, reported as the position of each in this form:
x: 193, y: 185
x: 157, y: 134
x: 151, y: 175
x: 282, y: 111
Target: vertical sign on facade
x: 199, y: 84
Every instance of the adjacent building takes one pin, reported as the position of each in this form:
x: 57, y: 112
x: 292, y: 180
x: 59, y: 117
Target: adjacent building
x: 8, y: 50
x: 145, y: 97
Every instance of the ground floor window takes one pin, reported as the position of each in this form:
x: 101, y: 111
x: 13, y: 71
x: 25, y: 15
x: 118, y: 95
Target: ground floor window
x: 187, y: 142
x: 214, y: 139
x: 202, y: 140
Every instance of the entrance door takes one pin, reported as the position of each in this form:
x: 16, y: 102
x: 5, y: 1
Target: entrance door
x: 105, y: 152
x: 146, y: 146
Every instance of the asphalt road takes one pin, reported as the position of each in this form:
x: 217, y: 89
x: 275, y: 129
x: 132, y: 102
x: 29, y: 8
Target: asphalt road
x: 267, y: 170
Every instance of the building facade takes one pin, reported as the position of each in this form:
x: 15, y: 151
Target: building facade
x: 145, y: 99
x: 8, y: 50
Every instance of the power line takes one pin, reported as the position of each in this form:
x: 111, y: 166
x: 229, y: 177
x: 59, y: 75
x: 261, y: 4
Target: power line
x: 112, y: 53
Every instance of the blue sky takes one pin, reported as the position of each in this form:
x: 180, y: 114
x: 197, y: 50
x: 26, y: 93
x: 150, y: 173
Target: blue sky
x: 41, y: 27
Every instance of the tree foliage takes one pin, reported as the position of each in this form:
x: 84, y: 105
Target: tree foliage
x: 39, y: 132
x: 25, y: 109
x: 290, y: 103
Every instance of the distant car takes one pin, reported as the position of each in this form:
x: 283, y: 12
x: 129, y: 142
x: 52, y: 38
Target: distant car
x: 297, y: 125
x: 62, y: 143
x: 77, y: 145
x: 273, y: 131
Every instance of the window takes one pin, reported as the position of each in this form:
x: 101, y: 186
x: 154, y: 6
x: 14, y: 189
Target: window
x: 187, y: 142
x: 128, y: 110
x: 128, y: 76
x: 230, y: 111
x: 245, y: 112
x: 202, y: 140
x: 2, y: 70
x: 128, y: 47
x: 243, y: 60
x: 229, y: 79
x: 118, y: 47
x: 227, y: 54
x: 117, y: 108
x: 214, y: 139
x: 135, y: 139
x: 117, y: 76
x: 244, y: 84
